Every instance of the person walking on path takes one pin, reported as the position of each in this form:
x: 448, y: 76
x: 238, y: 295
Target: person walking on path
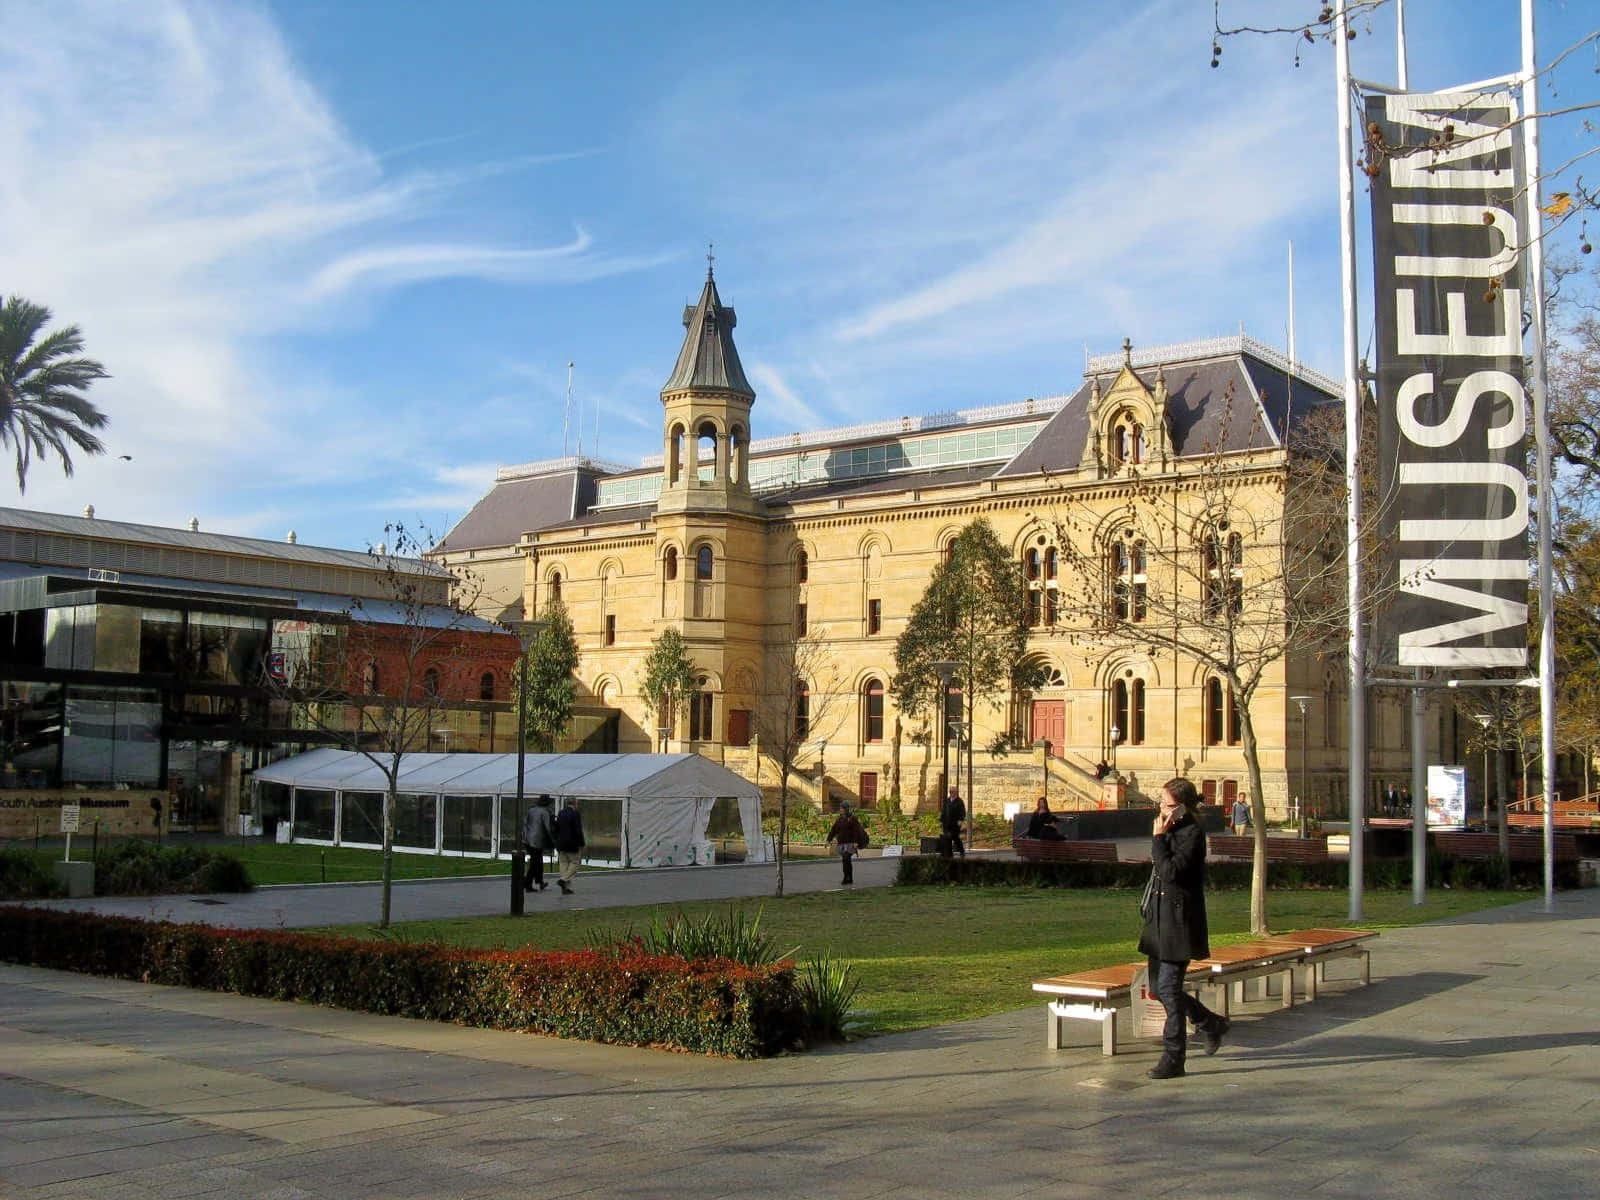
x: 951, y: 813
x: 1240, y: 815
x: 539, y: 837
x: 1175, y: 930
x: 848, y: 835
x: 569, y: 844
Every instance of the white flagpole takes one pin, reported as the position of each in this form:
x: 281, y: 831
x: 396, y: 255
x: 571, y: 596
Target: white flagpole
x: 1541, y: 436
x: 1352, y: 472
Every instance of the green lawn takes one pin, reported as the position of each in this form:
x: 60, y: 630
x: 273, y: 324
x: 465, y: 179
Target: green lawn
x: 926, y: 956
x: 269, y: 862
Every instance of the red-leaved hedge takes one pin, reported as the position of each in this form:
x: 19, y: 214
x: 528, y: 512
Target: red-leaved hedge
x: 625, y: 997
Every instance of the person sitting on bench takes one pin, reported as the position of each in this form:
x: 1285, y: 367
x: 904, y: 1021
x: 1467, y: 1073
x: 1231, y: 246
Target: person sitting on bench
x: 1042, y: 824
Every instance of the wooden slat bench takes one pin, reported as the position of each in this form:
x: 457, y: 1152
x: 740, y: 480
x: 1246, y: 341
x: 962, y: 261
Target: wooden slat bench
x: 1279, y: 849
x: 1065, y: 850
x: 1097, y: 995
x: 1484, y: 847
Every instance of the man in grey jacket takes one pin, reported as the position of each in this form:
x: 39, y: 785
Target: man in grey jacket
x: 539, y: 837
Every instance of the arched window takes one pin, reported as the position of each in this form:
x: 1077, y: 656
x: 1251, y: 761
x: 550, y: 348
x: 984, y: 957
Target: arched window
x: 555, y: 585
x: 700, y: 726
x: 674, y: 453
x: 1223, y: 572
x: 802, y: 710
x: 369, y: 679
x: 1130, y: 585
x: 802, y: 567
x: 1222, y: 715
x: 1214, y: 712
x: 1127, y: 709
x: 1127, y: 441
x: 872, y: 711
x: 702, y: 563
x: 669, y: 564
x: 486, y: 686
x: 706, y: 451
x: 1039, y: 569
x: 430, y: 682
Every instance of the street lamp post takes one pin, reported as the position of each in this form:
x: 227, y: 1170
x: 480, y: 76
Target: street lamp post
x: 1300, y: 800
x: 444, y: 736
x: 822, y: 771
x: 1115, y: 733
x: 526, y: 633
x: 1485, y: 719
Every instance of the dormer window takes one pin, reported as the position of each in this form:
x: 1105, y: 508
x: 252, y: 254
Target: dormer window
x: 1127, y: 441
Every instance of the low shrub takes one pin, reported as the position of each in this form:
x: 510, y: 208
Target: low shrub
x: 828, y: 988
x: 927, y: 869
x: 140, y: 868
x: 734, y: 937
x: 626, y: 996
x: 23, y: 877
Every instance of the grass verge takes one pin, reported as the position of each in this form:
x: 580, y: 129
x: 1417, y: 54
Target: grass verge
x: 928, y: 956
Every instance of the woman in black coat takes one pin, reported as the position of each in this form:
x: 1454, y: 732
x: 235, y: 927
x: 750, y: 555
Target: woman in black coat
x: 1175, y: 925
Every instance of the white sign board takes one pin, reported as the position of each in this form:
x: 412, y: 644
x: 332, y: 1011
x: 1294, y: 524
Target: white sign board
x: 1149, y: 1017
x: 1447, y: 796
x: 69, y: 818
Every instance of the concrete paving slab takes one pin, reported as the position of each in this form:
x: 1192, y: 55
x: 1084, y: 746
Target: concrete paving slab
x: 1441, y: 1078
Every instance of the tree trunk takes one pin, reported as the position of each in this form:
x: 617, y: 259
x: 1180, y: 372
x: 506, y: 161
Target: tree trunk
x: 1258, y: 824
x: 894, y: 765
x: 783, y: 817
x: 388, y: 853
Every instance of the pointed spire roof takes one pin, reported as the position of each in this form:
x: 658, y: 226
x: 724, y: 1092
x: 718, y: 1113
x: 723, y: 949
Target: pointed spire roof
x: 708, y: 360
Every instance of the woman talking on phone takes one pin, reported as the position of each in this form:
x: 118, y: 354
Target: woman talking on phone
x: 1175, y: 932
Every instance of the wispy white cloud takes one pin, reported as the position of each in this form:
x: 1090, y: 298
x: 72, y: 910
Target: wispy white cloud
x: 783, y: 409
x: 175, y: 185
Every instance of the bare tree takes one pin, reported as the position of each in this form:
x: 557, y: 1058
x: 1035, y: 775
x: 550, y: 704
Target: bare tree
x: 804, y: 700
x: 375, y: 680
x: 1234, y: 568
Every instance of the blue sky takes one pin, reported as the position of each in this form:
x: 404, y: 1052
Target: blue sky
x: 337, y: 255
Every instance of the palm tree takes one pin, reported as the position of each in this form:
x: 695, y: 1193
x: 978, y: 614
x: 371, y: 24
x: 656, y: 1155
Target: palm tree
x: 42, y: 401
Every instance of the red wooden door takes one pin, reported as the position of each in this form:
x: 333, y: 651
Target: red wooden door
x: 1050, y: 723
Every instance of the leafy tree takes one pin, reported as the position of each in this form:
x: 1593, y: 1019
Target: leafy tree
x: 669, y: 676
x: 972, y: 613
x: 551, y: 690
x: 378, y: 685
x: 43, y: 406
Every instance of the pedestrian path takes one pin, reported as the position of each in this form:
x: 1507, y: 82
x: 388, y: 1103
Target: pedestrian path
x: 1467, y: 1068
x: 307, y: 905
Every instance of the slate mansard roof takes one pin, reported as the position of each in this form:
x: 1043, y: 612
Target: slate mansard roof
x: 1229, y: 394
x: 1226, y: 395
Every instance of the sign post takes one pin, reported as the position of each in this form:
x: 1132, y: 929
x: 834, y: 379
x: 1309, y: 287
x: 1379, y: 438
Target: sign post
x: 70, y: 815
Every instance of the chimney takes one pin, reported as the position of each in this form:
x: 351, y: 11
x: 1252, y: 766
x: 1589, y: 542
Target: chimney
x: 88, y: 511
x: 194, y: 524
x: 292, y: 538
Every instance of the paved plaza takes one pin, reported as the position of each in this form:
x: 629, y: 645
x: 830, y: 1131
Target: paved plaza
x: 1471, y: 1066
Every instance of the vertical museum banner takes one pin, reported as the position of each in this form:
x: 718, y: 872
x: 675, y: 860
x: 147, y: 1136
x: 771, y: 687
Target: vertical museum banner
x: 1448, y: 231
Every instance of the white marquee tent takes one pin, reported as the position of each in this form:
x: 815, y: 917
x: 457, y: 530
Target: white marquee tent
x: 639, y: 810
